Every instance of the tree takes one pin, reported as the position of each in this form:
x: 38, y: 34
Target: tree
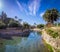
x: 26, y: 25
x: 56, y: 24
x: 2, y: 25
x: 4, y: 18
x: 51, y: 15
x: 40, y: 26
x: 13, y: 23
x: 3, y: 15
x: 9, y: 21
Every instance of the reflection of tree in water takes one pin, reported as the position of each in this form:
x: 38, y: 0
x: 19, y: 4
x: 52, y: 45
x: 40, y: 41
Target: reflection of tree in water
x: 31, y: 44
x: 2, y: 46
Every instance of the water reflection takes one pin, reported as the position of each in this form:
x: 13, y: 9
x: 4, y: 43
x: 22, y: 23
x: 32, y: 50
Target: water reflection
x: 31, y: 44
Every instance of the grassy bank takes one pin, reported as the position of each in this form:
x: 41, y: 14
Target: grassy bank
x: 52, y: 32
x: 50, y: 48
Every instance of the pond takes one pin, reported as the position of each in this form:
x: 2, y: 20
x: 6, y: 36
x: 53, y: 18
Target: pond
x: 32, y: 43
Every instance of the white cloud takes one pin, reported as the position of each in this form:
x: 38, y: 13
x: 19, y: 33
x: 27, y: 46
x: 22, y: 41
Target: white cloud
x: 41, y: 14
x: 34, y: 6
x: 19, y: 5
x: 22, y: 9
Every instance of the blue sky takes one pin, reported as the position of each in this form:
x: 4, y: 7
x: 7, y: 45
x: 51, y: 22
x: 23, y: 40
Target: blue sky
x: 30, y: 11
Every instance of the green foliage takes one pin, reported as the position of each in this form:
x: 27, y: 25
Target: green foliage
x: 40, y: 26
x: 13, y: 23
x: 6, y: 21
x: 4, y: 18
x: 49, y: 48
x: 57, y: 24
x: 3, y: 15
x: 51, y: 15
x: 55, y: 34
x: 26, y: 25
x: 52, y: 33
x: 10, y: 22
x: 2, y: 25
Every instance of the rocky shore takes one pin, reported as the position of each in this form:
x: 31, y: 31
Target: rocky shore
x: 55, y: 43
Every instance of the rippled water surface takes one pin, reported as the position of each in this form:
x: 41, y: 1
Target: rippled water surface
x: 32, y: 43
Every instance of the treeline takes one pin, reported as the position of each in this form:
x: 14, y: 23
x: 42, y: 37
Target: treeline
x: 7, y: 22
x: 40, y: 26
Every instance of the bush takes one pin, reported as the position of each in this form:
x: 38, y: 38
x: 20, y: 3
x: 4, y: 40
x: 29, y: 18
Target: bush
x: 49, y: 31
x: 40, y: 26
x: 26, y: 25
x: 55, y: 34
x: 2, y: 25
x: 13, y: 24
x: 52, y: 33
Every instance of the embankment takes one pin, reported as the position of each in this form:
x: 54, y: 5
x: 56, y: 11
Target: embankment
x: 54, y: 42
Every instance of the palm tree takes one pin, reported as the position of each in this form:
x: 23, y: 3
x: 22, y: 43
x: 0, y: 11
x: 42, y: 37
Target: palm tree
x: 51, y: 15
x: 16, y: 17
x: 3, y: 15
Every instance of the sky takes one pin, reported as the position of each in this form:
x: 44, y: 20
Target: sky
x: 30, y: 11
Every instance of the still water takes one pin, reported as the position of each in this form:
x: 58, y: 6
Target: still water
x: 32, y: 43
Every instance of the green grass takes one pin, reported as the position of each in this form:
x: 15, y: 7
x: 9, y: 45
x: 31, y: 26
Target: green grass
x: 52, y: 33
x: 50, y: 48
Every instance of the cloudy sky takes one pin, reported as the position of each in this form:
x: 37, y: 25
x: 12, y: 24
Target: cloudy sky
x: 30, y: 11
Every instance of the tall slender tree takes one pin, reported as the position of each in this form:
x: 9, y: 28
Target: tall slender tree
x: 3, y: 15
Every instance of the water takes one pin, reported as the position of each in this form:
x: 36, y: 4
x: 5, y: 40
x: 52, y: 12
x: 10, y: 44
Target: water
x: 33, y: 43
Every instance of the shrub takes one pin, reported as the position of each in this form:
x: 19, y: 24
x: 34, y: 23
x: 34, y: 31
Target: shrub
x: 13, y: 24
x: 40, y: 26
x: 55, y: 34
x: 2, y: 25
x: 26, y: 25
x: 52, y: 33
